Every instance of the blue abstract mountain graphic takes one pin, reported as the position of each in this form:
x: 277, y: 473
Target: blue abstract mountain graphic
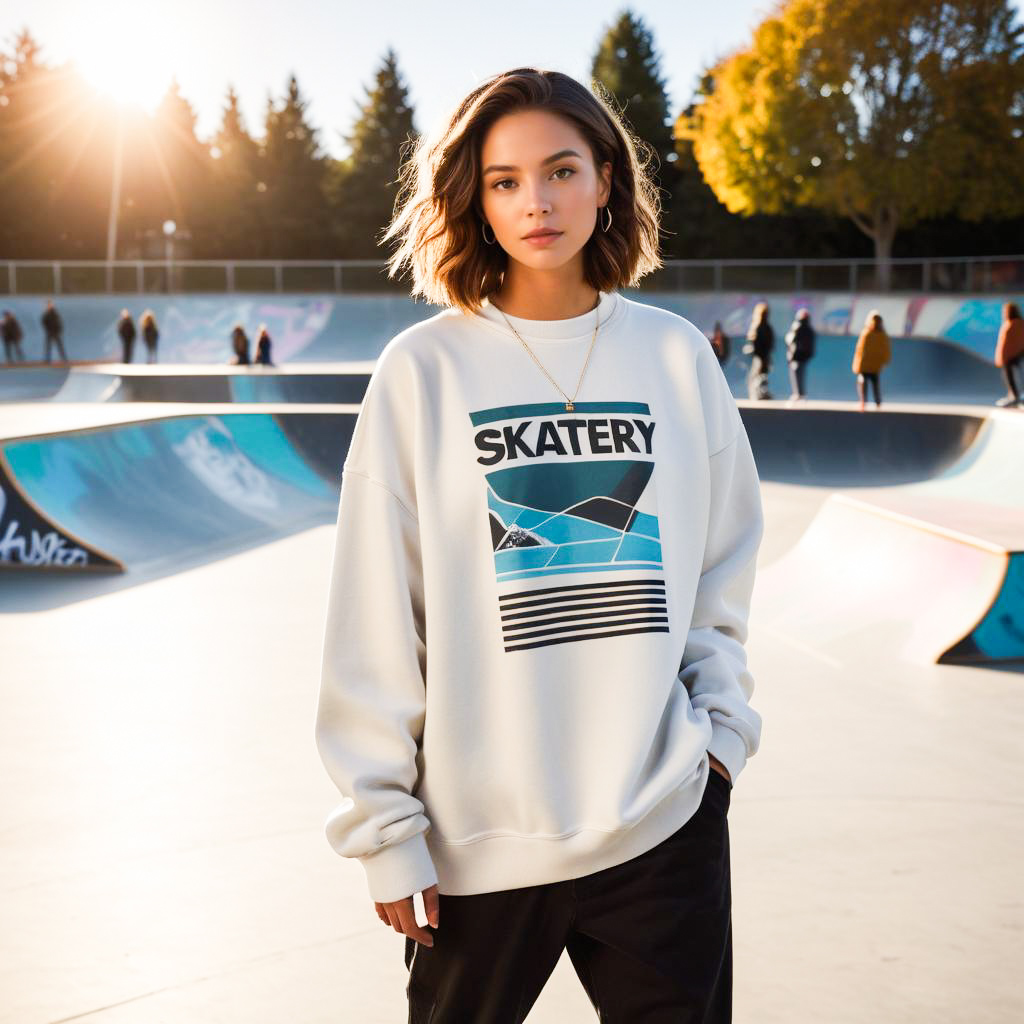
x: 582, y: 516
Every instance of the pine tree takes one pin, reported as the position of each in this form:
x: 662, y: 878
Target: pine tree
x: 363, y: 187
x: 292, y: 172
x: 627, y: 66
x: 238, y: 227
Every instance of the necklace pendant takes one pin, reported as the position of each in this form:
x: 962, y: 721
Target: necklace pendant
x: 568, y: 406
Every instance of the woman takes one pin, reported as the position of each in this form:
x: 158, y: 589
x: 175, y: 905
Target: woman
x: 534, y: 693
x: 240, y: 346
x: 150, y: 334
x: 873, y: 352
x: 1010, y: 352
x: 760, y: 345
x: 263, y: 345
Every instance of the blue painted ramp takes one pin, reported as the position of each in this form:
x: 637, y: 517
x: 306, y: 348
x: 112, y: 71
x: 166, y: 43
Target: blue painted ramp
x: 153, y: 491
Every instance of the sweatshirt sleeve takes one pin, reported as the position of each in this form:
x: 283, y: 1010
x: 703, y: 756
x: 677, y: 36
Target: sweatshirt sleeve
x: 714, y: 666
x: 372, y: 693
x: 372, y: 701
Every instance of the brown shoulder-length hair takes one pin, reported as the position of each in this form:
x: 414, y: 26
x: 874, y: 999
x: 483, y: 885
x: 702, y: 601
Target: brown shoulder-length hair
x: 438, y: 215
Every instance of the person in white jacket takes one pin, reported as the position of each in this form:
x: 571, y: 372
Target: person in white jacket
x: 535, y: 697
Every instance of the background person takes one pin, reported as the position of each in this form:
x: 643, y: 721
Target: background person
x: 12, y: 334
x: 240, y: 346
x: 872, y: 354
x: 150, y: 334
x: 263, y: 346
x: 799, y: 351
x: 760, y: 345
x: 126, y: 332
x: 1010, y: 352
x: 720, y: 343
x: 53, y: 330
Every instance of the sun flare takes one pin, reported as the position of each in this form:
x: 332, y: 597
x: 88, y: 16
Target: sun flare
x: 117, y: 57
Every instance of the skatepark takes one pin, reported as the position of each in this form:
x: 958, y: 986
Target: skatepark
x: 165, y: 536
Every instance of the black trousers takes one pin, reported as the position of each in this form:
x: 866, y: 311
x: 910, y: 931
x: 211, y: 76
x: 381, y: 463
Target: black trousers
x: 650, y: 939
x: 872, y: 379
x: 1008, y: 370
x: 55, y: 339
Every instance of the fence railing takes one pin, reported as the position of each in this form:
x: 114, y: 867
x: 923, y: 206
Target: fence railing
x: 985, y: 274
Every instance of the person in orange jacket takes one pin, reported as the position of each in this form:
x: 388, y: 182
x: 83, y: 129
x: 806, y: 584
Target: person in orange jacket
x: 1010, y: 352
x: 873, y: 352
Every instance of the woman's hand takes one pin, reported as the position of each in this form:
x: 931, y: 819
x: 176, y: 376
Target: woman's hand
x: 719, y: 767
x: 401, y: 915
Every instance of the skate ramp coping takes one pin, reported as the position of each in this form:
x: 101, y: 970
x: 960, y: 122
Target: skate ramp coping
x: 309, y: 383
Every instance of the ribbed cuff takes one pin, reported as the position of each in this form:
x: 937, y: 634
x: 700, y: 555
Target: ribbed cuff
x: 400, y: 870
x: 728, y: 746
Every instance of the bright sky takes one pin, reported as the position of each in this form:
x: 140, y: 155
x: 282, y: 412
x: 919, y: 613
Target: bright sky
x: 443, y: 47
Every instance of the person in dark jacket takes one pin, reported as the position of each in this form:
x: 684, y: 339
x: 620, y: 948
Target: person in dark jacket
x: 760, y: 345
x: 12, y: 335
x: 720, y: 343
x: 799, y: 351
x: 150, y: 334
x: 126, y: 332
x: 263, y: 345
x: 240, y: 345
x: 53, y: 330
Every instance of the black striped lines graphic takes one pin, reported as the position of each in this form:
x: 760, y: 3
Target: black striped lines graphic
x: 582, y: 611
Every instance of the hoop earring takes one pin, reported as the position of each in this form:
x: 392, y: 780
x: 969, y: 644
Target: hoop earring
x: 605, y: 227
x: 483, y: 231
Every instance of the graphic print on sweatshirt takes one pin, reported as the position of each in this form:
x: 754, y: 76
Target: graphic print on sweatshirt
x: 573, y: 519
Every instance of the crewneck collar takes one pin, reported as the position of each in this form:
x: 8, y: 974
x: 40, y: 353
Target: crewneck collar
x: 571, y: 329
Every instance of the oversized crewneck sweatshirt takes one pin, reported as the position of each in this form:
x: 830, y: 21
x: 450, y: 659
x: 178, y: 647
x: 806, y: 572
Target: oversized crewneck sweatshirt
x: 536, y: 618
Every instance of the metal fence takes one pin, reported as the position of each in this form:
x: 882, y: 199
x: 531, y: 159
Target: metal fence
x: 987, y: 274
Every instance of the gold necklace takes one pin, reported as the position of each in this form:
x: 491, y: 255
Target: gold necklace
x: 569, y: 402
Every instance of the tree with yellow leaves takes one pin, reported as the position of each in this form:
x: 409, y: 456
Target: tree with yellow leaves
x: 884, y: 111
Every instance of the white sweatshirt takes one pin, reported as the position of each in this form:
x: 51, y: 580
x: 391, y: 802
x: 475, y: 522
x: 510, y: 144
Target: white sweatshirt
x: 536, y: 621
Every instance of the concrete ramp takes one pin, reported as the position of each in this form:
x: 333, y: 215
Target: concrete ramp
x: 27, y: 383
x: 934, y: 568
x: 84, y: 384
x: 832, y: 444
x: 922, y: 370
x: 166, y: 489
x: 864, y: 577
x: 304, y: 383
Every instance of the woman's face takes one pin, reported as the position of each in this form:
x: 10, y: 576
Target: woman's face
x: 523, y: 188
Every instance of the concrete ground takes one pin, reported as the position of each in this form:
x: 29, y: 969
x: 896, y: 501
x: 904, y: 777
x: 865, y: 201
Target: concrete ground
x: 162, y: 857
